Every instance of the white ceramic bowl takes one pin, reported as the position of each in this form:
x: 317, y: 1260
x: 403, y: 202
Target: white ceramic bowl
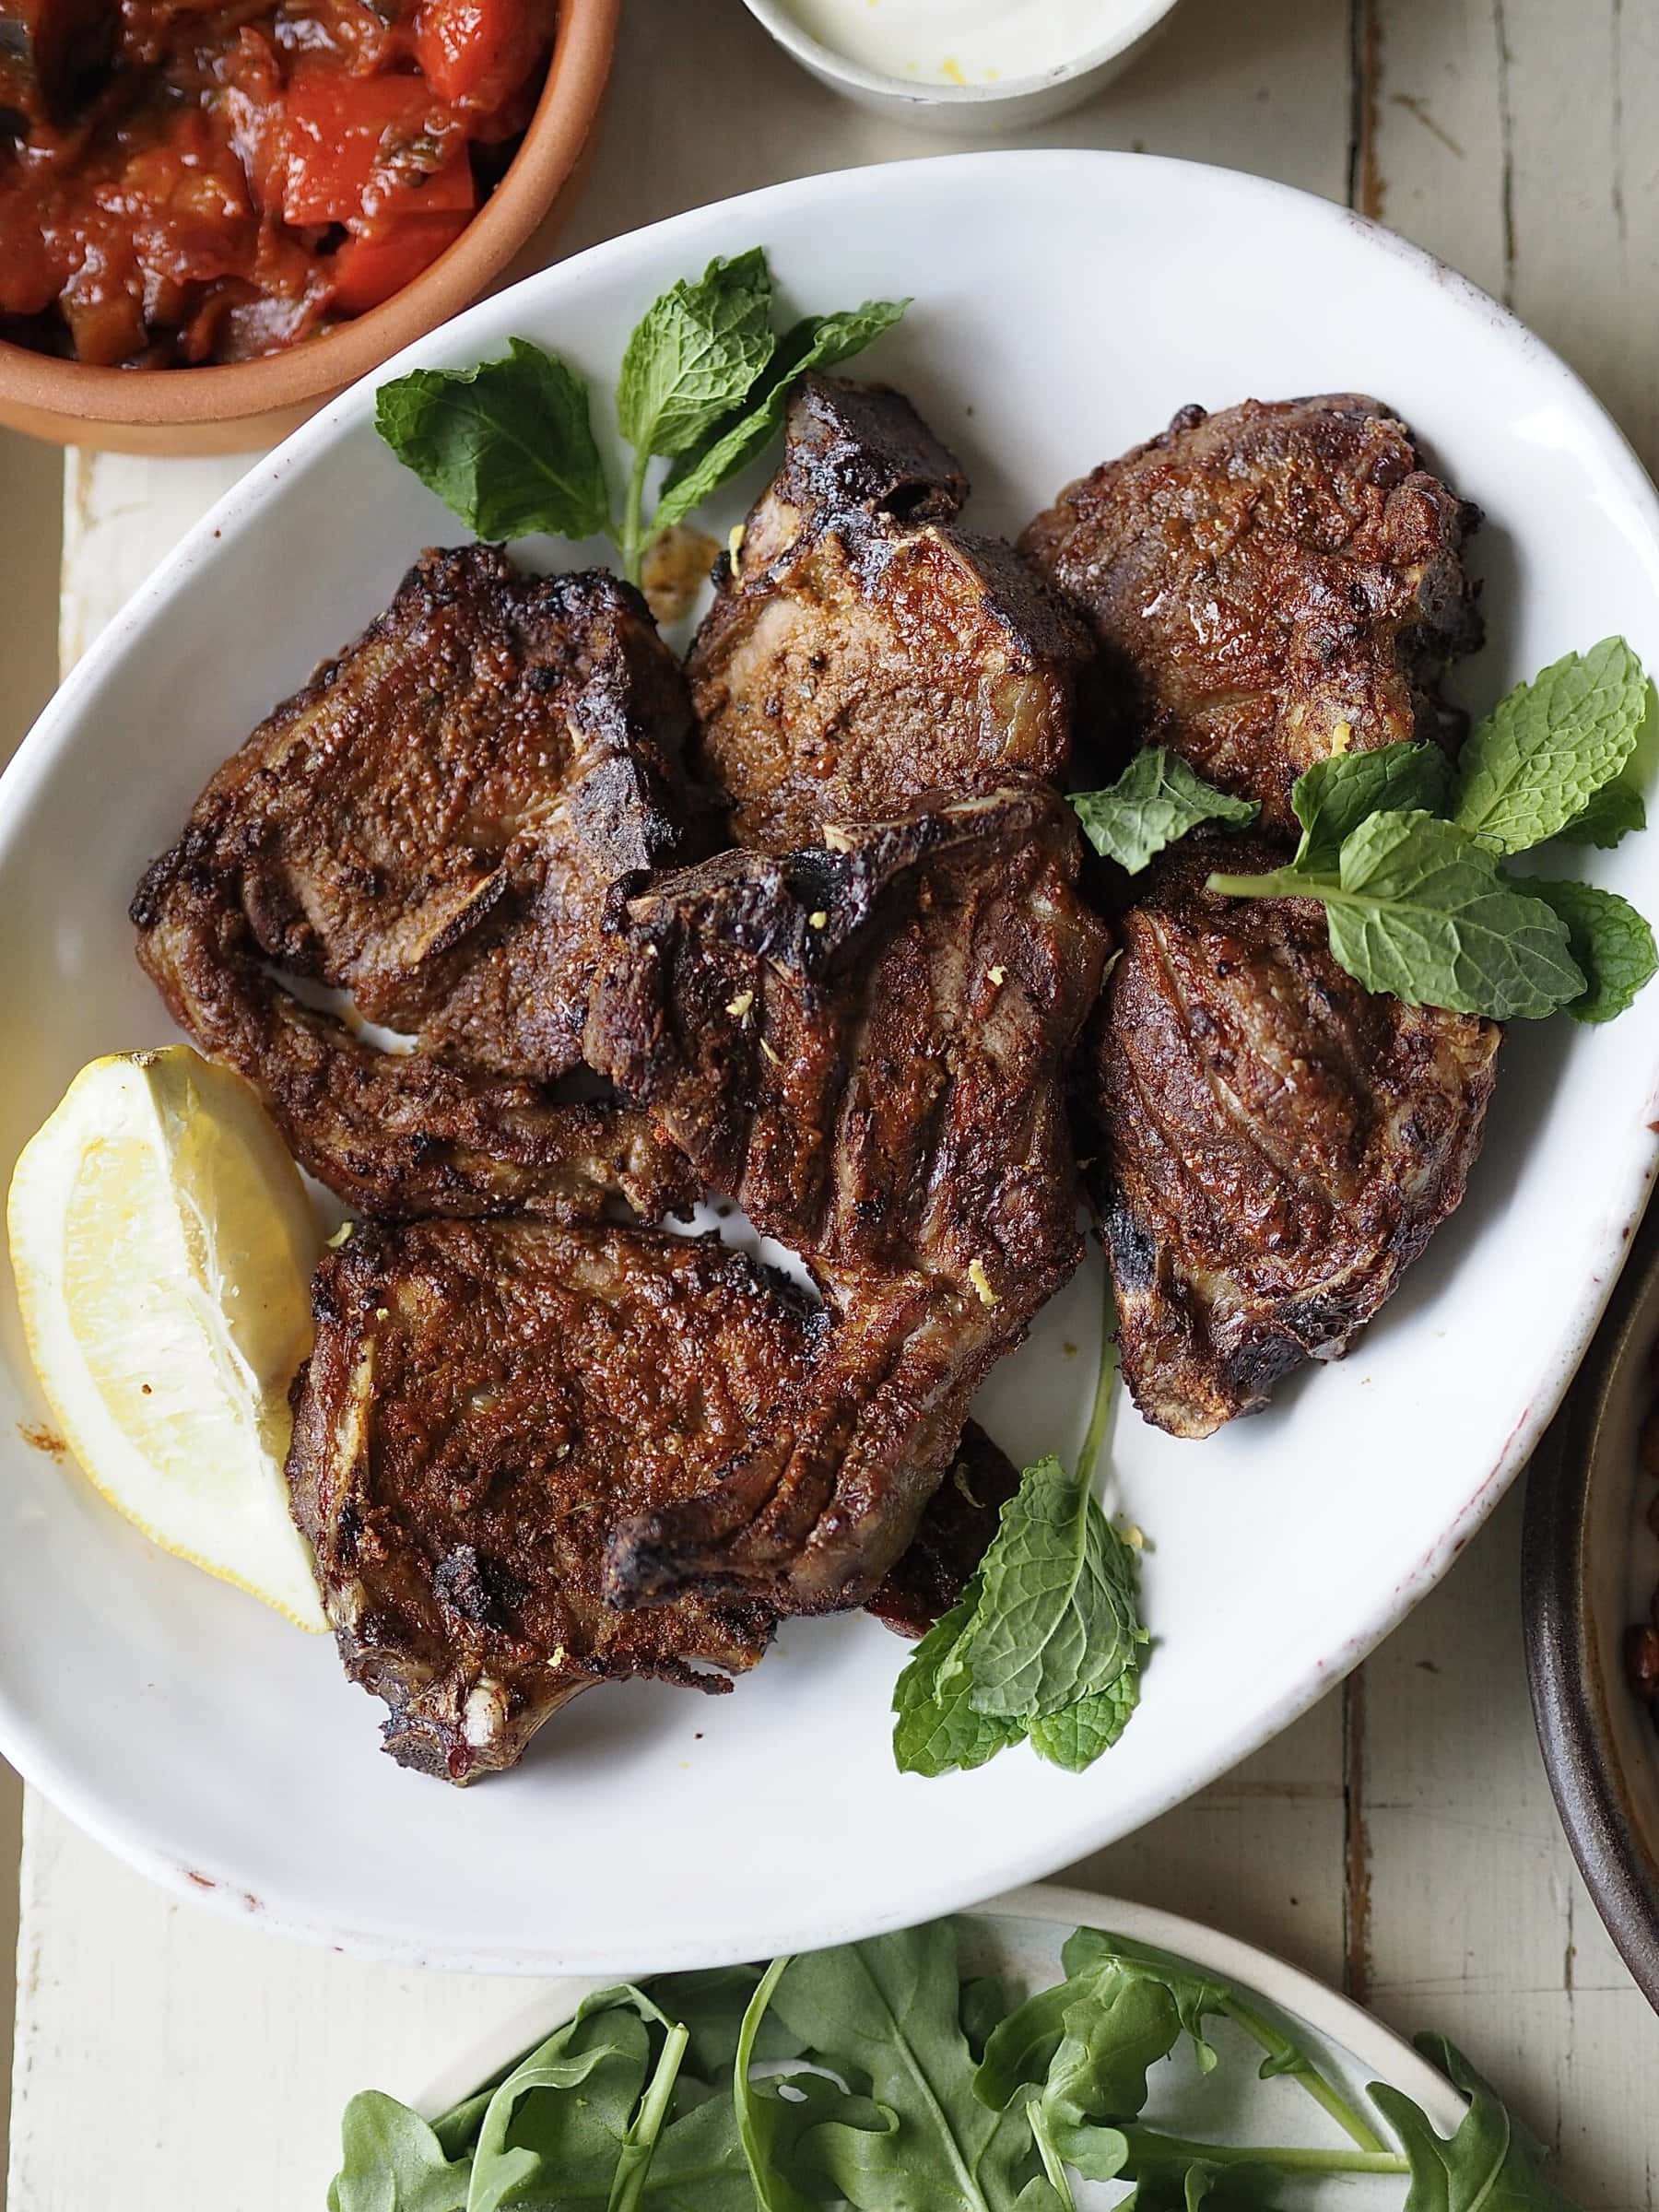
x: 217, y: 1749
x: 1000, y: 107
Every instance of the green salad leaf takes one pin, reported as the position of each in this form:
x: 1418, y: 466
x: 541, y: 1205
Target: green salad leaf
x: 1157, y: 799
x: 507, y: 445
x: 1545, y: 751
x: 1606, y: 938
x: 1491, y: 2164
x: 391, y: 2161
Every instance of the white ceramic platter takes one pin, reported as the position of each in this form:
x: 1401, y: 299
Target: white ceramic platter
x: 1066, y: 305
x: 1018, y: 1938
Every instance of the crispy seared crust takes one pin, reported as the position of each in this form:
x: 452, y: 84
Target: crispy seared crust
x: 485, y: 1401
x: 432, y: 825
x: 1276, y: 1145
x: 959, y: 1521
x: 1263, y: 580
x: 862, y: 649
x: 865, y: 1050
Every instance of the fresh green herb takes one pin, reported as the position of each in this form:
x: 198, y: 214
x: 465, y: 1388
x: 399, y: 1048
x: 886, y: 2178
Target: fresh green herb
x: 1607, y: 938
x: 1611, y: 815
x: 1046, y: 1642
x: 509, y: 445
x: 1334, y: 796
x: 1157, y: 799
x: 1419, y: 910
x: 1491, y: 2164
x: 1543, y: 752
x: 893, y: 2110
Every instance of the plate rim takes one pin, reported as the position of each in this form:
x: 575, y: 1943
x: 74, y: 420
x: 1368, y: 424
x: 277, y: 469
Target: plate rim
x: 32, y: 1750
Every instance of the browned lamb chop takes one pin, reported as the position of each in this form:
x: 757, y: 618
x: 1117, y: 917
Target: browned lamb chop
x: 1268, y: 586
x: 863, y: 1047
x: 432, y: 825
x: 862, y: 648
x: 1275, y: 1145
x: 485, y: 1402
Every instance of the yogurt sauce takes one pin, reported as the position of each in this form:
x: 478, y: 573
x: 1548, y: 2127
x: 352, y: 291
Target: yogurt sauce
x: 960, y: 42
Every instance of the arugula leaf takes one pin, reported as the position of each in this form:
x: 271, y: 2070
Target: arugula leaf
x: 760, y: 2119
x: 1543, y: 751
x: 1419, y: 910
x: 507, y: 446
x: 1157, y: 799
x: 694, y: 353
x: 1334, y: 796
x: 1074, y: 1737
x: 938, y: 1730
x: 391, y: 2161
x: 1056, y: 1619
x: 888, y: 2011
x: 1179, y: 2184
x: 817, y: 342
x: 1612, y: 811
x: 1489, y: 2165
x: 709, y: 2004
x: 1607, y: 938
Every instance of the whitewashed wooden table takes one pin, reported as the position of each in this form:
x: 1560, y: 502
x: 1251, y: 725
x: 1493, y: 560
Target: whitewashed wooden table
x: 1400, y: 1841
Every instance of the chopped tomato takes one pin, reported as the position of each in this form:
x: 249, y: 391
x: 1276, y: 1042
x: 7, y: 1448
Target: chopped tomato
x: 368, y: 270
x: 346, y: 135
x: 478, y: 52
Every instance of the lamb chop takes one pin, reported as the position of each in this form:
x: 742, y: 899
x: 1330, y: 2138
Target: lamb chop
x: 1275, y: 1145
x: 862, y: 649
x: 952, y: 1538
x: 865, y: 1049
x: 432, y: 825
x: 485, y: 1402
x: 1268, y: 586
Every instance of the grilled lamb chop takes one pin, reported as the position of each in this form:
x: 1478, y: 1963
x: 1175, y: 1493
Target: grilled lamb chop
x: 864, y: 1048
x: 862, y: 649
x: 1276, y: 1145
x: 1268, y: 585
x: 955, y: 1529
x: 432, y: 825
x: 485, y: 1402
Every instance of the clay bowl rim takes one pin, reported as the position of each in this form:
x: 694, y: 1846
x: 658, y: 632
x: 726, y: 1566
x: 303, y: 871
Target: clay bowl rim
x: 73, y: 393
x: 1570, y: 1692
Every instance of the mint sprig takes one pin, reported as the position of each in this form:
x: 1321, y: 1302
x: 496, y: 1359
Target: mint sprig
x: 1046, y: 1642
x: 1543, y: 752
x: 1156, y: 800
x: 509, y: 446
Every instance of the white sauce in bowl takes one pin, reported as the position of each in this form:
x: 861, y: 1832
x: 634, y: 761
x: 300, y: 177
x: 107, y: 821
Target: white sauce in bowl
x: 961, y: 41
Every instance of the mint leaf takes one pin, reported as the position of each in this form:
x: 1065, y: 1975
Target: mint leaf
x: 695, y: 352
x: 1421, y: 911
x: 742, y: 432
x: 1424, y: 913
x: 1607, y: 938
x: 1157, y: 799
x: 507, y: 446
x: 1056, y: 1619
x: 1540, y: 754
x: 1077, y: 1736
x: 1491, y: 2164
x: 1334, y: 796
x: 1614, y: 810
x: 937, y: 1729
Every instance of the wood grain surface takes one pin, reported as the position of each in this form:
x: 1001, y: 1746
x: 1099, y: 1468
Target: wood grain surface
x: 1400, y: 1841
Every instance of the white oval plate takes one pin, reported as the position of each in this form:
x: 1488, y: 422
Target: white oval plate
x: 1019, y: 1938
x: 1066, y: 305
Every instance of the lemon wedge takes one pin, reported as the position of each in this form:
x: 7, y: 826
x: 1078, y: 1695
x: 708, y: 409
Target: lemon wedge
x: 163, y: 1245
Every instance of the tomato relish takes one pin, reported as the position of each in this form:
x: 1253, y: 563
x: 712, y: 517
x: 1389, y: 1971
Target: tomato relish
x: 190, y: 181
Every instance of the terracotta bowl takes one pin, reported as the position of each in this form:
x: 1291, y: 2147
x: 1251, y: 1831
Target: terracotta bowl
x: 1590, y: 1565
x: 247, y: 404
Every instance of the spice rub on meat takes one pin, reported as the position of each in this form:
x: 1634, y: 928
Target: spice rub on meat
x: 864, y: 1047
x: 862, y: 648
x: 1276, y: 1145
x: 1268, y: 586
x: 485, y: 1402
x: 432, y: 826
